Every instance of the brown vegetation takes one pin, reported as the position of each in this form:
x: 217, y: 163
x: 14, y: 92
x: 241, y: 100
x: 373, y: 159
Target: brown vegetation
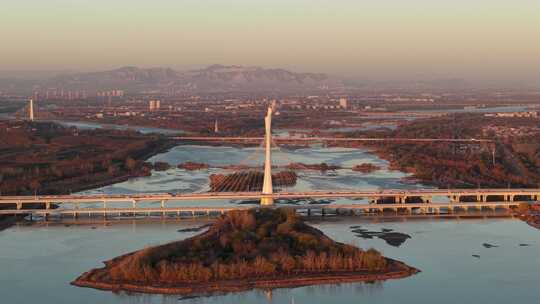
x: 463, y: 165
x: 366, y: 168
x: 161, y: 166
x: 249, y: 181
x: 193, y: 166
x: 243, y: 246
x: 530, y: 214
x: 321, y: 167
x: 46, y: 158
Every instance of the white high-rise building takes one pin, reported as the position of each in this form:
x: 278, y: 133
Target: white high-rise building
x: 31, y: 110
x: 343, y: 102
x: 154, y: 105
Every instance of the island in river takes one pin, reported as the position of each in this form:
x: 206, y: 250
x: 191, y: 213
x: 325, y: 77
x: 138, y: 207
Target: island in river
x: 242, y: 250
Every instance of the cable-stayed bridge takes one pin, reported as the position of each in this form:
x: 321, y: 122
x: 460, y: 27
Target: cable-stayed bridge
x: 427, y: 200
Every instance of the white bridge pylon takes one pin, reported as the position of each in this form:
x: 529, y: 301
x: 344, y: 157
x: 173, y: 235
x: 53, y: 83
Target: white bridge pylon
x: 267, y: 181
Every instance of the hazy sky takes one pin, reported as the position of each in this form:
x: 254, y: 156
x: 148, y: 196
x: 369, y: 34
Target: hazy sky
x: 366, y: 38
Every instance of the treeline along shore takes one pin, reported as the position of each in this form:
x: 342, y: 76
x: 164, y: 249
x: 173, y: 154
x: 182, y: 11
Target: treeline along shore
x: 258, y: 248
x: 511, y: 159
x: 43, y: 158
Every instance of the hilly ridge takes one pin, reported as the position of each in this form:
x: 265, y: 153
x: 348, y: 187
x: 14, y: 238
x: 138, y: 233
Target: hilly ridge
x: 212, y: 78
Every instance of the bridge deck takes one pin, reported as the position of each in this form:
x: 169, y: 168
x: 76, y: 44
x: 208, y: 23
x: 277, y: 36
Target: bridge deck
x: 535, y: 193
x: 206, y: 210
x: 334, y: 139
x: 484, y: 198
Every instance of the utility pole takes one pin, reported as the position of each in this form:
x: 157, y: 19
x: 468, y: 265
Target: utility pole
x: 493, y: 155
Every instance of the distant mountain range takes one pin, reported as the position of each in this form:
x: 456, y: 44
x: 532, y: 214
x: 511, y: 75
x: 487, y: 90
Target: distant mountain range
x: 216, y: 78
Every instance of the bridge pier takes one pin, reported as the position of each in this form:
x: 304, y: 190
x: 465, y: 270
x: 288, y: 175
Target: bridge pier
x: 163, y: 213
x: 473, y: 200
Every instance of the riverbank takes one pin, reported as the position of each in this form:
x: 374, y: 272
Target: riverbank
x: 46, y: 158
x: 400, y: 271
x: 7, y: 221
x: 530, y: 214
x: 510, y: 160
x: 242, y: 250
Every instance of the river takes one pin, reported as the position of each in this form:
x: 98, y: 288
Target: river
x: 94, y: 125
x: 38, y: 261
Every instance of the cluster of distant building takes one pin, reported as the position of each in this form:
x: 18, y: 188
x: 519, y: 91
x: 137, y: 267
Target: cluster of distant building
x: 154, y: 104
x: 61, y: 94
x: 510, y: 132
x: 111, y: 93
x: 529, y: 114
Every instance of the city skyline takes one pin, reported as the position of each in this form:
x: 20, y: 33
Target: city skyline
x: 390, y: 40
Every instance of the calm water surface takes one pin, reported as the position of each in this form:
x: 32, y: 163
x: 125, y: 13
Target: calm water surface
x: 94, y: 125
x: 38, y: 262
x: 179, y: 180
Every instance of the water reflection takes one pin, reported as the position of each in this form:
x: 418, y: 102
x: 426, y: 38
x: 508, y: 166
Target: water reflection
x: 94, y: 125
x: 390, y: 236
x: 40, y: 260
x: 278, y: 295
x: 441, y: 248
x: 183, y: 181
